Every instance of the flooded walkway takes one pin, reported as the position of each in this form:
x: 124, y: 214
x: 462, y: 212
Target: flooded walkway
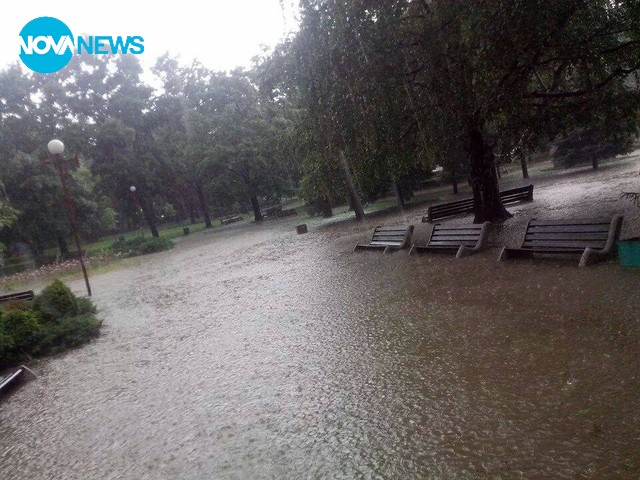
x: 252, y: 352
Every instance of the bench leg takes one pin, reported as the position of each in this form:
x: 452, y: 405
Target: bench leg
x: 509, y: 253
x: 591, y: 256
x: 465, y: 251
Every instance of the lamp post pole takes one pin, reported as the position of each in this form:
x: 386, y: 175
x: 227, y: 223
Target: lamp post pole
x: 56, y: 147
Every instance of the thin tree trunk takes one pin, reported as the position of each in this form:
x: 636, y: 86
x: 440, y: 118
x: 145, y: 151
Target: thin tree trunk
x: 355, y: 198
x: 149, y: 215
x: 487, y: 205
x: 454, y: 184
x: 64, y: 247
x: 525, y: 168
x: 399, y: 197
x: 192, y: 214
x: 255, y: 205
x: 203, y: 205
x: 594, y: 162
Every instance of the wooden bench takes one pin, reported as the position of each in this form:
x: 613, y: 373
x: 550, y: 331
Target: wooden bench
x: 271, y: 212
x: 388, y: 239
x: 592, y: 237
x: 230, y: 219
x: 463, y: 239
x: 19, y: 375
x: 14, y: 297
x: 459, y: 207
x: 287, y: 213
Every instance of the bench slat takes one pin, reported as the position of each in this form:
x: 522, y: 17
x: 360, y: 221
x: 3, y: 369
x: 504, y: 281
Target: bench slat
x: 596, y: 221
x: 568, y: 228
x: 458, y: 227
x: 567, y: 243
x: 390, y: 229
x: 467, y: 243
x: 567, y: 236
x: 456, y: 237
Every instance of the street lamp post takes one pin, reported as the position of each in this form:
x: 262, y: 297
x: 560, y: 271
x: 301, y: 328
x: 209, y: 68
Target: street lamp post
x: 56, y: 147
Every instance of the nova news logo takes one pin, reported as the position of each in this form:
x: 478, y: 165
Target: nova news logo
x: 47, y: 45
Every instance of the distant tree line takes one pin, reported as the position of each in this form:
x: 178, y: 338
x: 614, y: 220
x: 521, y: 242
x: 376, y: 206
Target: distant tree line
x: 365, y: 99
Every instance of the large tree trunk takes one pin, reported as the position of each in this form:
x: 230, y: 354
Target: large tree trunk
x: 325, y: 208
x: 203, y: 205
x: 487, y: 205
x: 353, y: 193
x: 525, y: 168
x: 255, y: 205
x: 149, y: 215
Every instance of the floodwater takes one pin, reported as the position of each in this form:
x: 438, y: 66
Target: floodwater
x: 250, y: 352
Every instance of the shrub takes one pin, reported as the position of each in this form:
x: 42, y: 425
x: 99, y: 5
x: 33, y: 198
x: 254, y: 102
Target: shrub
x: 22, y: 328
x: 140, y: 246
x: 55, y: 321
x: 56, y: 301
x: 68, y: 333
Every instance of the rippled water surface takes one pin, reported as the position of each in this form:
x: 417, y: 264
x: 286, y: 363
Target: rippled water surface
x: 252, y: 352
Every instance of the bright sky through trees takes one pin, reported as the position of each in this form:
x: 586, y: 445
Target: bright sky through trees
x: 221, y: 34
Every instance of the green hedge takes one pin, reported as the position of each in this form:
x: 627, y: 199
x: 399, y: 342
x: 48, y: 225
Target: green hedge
x: 140, y: 246
x: 54, y: 321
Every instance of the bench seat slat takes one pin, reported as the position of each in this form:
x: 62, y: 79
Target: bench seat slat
x: 458, y: 227
x: 467, y: 243
x: 586, y: 236
x: 563, y: 244
x: 568, y: 228
x: 457, y: 238
x: 597, y: 221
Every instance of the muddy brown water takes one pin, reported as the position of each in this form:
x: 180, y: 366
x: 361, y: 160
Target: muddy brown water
x: 252, y: 352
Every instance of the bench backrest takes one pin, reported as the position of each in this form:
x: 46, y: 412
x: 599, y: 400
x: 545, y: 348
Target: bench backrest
x: 452, y: 236
x: 288, y: 212
x: 458, y: 207
x: 28, y: 295
x: 569, y: 235
x: 515, y: 195
x: 392, y: 236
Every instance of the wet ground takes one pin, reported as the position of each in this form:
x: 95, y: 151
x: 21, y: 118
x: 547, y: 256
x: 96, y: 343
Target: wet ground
x: 252, y: 352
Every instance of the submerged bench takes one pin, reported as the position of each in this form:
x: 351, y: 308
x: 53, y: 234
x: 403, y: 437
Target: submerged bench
x: 591, y: 237
x: 230, y: 219
x: 463, y: 239
x: 20, y: 374
x: 450, y: 209
x: 13, y: 297
x: 287, y: 213
x: 388, y: 239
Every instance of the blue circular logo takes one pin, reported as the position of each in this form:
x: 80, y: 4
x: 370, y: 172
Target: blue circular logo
x: 46, y: 45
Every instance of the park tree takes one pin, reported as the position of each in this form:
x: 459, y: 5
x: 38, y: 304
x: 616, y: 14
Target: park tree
x: 421, y: 76
x: 527, y: 69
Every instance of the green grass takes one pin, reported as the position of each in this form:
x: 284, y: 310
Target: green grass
x: 168, y: 231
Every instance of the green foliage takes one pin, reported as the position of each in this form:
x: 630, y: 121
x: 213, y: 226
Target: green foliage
x: 55, y: 321
x: 22, y: 327
x: 140, y: 246
x: 55, y: 302
x: 69, y: 332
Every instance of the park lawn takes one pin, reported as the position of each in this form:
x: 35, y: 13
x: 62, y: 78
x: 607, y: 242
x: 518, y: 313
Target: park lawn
x: 169, y: 231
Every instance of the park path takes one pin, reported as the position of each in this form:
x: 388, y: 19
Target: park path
x: 251, y: 352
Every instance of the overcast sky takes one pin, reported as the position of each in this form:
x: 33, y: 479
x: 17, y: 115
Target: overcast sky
x: 222, y: 34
